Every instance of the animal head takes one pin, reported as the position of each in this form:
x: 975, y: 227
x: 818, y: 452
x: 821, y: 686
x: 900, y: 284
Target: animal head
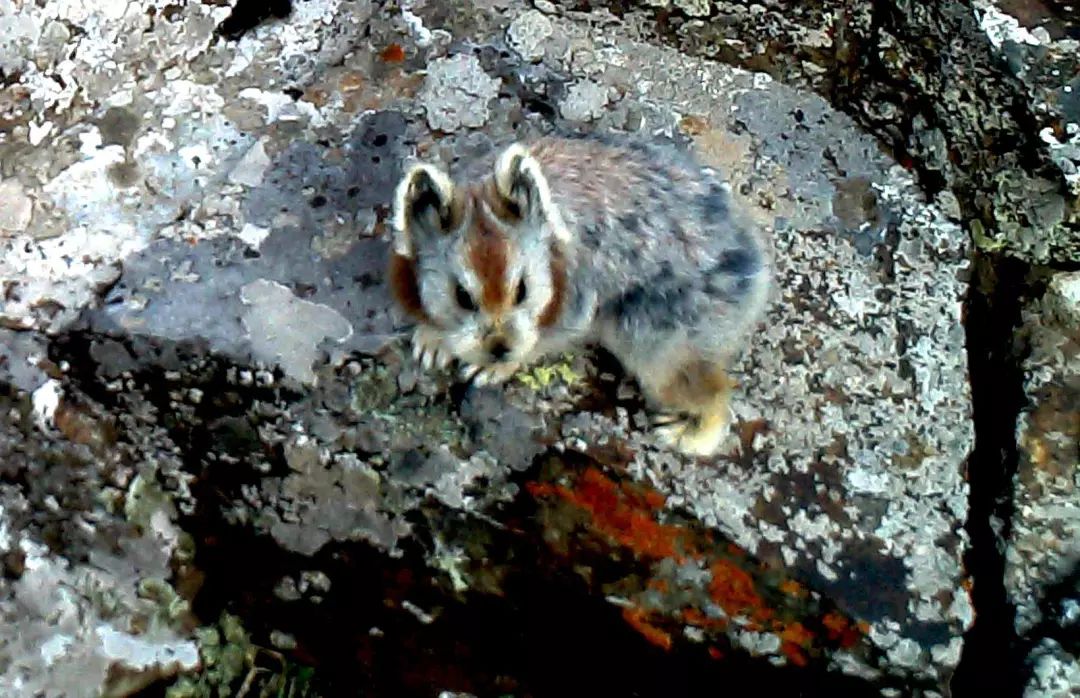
x: 480, y: 261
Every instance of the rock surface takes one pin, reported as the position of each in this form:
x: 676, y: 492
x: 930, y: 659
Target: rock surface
x: 1043, y: 536
x: 210, y: 406
x: 979, y: 97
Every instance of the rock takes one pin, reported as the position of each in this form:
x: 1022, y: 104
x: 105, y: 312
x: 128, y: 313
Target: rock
x: 285, y: 330
x: 585, y: 101
x: 16, y: 207
x: 456, y: 93
x: 1056, y: 673
x: 694, y: 8
x: 931, y: 81
x: 93, y: 618
x: 1043, y: 544
x: 245, y: 368
x: 527, y: 34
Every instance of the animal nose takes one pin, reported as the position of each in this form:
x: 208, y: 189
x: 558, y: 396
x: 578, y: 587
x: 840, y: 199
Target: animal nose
x: 498, y: 349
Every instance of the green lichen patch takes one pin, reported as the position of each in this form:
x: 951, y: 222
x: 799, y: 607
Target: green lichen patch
x: 543, y: 375
x: 234, y: 666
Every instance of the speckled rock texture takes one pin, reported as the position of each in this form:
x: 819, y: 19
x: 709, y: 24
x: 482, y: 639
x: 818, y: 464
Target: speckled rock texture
x: 1043, y: 538
x: 980, y: 97
x: 196, y: 330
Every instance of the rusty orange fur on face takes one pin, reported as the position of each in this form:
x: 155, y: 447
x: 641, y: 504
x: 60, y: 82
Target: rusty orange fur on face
x: 488, y: 249
x: 403, y: 284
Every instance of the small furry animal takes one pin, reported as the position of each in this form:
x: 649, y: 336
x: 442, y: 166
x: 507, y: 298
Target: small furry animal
x: 572, y: 240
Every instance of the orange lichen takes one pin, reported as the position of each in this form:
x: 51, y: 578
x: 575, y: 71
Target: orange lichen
x: 733, y: 589
x: 655, y: 500
x: 694, y: 616
x: 393, y: 54
x: 619, y: 514
x: 838, y: 628
x: 798, y: 634
x: 793, y: 653
x: 625, y: 513
x: 637, y: 618
x: 351, y: 82
x: 792, y: 588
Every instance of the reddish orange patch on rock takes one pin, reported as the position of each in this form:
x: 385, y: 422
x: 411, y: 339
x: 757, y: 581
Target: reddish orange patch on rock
x: 733, y: 589
x: 840, y: 629
x: 793, y: 653
x: 625, y: 513
x: 792, y: 588
x: 620, y: 514
x: 393, y: 54
x: 795, y: 632
x: 638, y: 620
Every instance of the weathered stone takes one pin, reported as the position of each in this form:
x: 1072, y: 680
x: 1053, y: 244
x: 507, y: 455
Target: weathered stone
x: 15, y: 207
x: 937, y: 82
x: 693, y: 8
x: 1056, y: 673
x: 527, y: 34
x: 585, y: 101
x: 1043, y: 545
x: 249, y: 351
x: 456, y: 93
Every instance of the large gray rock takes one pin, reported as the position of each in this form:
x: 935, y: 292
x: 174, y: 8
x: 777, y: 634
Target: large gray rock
x: 235, y: 233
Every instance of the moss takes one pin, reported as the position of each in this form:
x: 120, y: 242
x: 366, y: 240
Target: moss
x: 233, y: 665
x: 541, y: 376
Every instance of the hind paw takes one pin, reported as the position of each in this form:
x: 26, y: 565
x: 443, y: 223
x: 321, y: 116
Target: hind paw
x: 693, y: 435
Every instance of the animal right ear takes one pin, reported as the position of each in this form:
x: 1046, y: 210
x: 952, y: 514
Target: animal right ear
x: 421, y: 207
x: 520, y: 181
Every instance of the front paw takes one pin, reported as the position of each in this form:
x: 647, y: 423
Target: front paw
x: 430, y: 349
x: 493, y: 374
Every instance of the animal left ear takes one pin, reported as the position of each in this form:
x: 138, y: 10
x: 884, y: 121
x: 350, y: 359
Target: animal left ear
x: 521, y: 183
x: 422, y: 208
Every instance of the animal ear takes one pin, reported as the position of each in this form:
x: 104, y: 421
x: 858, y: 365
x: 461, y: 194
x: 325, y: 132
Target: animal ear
x: 421, y: 207
x: 524, y: 188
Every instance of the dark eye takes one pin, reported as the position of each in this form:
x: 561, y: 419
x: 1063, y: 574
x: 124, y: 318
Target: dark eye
x: 520, y: 293
x: 463, y: 298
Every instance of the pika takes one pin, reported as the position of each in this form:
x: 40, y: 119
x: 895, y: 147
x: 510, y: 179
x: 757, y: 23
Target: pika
x: 627, y: 243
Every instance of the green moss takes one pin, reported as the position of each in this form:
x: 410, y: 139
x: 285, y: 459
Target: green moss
x: 232, y: 664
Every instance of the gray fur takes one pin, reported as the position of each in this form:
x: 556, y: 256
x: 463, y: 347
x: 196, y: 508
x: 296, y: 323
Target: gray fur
x: 660, y: 267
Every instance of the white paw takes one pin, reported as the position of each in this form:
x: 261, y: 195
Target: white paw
x: 493, y: 374
x: 429, y: 348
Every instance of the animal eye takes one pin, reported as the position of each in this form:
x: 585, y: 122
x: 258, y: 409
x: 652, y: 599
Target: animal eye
x: 463, y: 298
x: 520, y: 292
